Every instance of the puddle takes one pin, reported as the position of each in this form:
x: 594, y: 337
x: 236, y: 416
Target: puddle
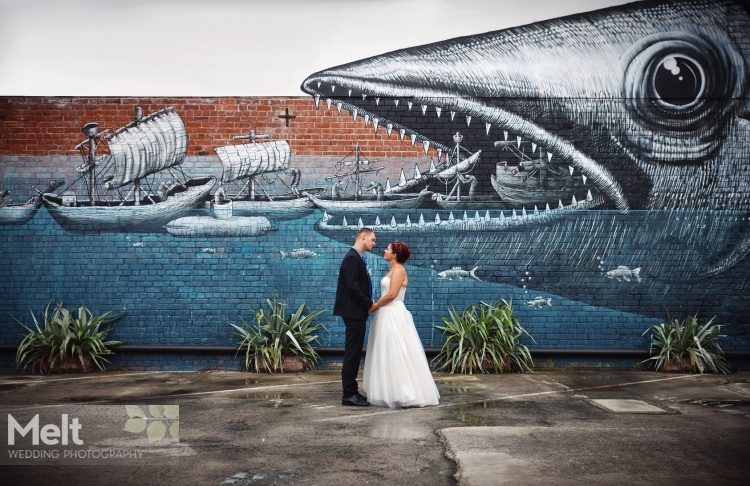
x: 468, y: 413
x: 721, y: 403
x: 466, y: 417
x: 459, y: 387
x: 269, y: 396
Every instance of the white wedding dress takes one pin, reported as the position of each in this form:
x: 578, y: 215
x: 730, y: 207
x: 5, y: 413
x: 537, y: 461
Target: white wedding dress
x: 397, y: 373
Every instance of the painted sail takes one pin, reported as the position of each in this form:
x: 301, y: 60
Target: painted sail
x: 249, y: 159
x: 149, y: 145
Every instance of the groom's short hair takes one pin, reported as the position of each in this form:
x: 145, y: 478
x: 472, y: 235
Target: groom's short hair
x: 363, y: 231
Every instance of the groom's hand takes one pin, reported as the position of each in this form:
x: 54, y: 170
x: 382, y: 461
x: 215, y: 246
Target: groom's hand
x: 373, y: 308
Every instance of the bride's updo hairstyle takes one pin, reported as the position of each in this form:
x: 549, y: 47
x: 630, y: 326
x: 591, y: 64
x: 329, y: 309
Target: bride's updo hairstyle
x: 401, y: 250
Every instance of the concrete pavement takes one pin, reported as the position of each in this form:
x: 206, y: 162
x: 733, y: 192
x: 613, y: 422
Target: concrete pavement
x: 582, y: 427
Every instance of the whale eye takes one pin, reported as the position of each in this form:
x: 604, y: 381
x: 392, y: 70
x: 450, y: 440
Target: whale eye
x: 675, y: 83
x: 678, y: 80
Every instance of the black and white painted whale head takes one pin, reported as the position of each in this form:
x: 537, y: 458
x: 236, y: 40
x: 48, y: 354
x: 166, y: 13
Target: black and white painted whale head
x: 648, y: 101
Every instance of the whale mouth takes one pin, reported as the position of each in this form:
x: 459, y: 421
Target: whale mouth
x: 540, y: 168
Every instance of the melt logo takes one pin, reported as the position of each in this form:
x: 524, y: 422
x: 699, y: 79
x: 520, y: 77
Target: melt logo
x: 50, y: 434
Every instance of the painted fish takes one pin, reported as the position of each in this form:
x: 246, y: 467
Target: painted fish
x: 539, y: 302
x: 458, y: 273
x: 623, y: 273
x: 298, y: 254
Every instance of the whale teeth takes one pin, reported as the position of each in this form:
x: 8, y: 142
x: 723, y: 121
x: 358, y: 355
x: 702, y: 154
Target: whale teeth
x: 589, y: 197
x: 421, y: 219
x: 533, y: 147
x: 451, y: 218
x: 389, y: 129
x: 354, y: 115
x: 487, y: 127
x: 377, y: 101
x: 396, y: 102
x: 393, y: 222
x: 318, y: 84
x: 453, y: 115
x: 424, y: 109
x: 409, y: 104
x: 360, y: 224
x: 571, y: 169
x: 505, y: 135
x: 317, y: 101
x: 343, y: 222
x: 388, y: 187
x: 518, y: 141
x: 408, y: 221
x: 328, y: 103
x: 364, y: 96
x: 584, y: 178
x: 417, y: 173
x: 339, y: 105
x: 413, y: 139
x: 367, y: 119
x: 438, y: 110
x: 426, y: 145
x: 377, y: 220
x: 559, y: 204
x: 333, y: 88
x: 573, y: 202
x: 549, y: 157
x: 402, y: 132
x: 440, y: 154
x: 402, y: 179
x: 350, y: 93
x: 375, y: 123
x: 468, y: 121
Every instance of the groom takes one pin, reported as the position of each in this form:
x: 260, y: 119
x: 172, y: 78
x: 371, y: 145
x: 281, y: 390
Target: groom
x: 353, y: 304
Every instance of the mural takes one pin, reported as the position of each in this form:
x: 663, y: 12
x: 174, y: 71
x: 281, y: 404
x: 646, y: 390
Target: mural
x: 630, y: 122
x: 600, y: 158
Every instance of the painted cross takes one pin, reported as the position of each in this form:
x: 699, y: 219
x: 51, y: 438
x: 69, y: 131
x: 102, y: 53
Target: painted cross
x: 287, y: 116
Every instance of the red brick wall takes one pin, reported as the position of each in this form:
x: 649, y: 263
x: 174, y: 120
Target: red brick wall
x: 52, y: 126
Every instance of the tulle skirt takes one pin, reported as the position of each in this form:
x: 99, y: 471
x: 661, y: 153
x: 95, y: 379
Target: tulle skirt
x: 397, y: 373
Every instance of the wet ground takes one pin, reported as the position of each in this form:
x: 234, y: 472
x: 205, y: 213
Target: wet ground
x: 259, y: 429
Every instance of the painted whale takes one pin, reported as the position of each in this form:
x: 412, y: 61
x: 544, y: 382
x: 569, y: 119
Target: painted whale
x: 643, y: 106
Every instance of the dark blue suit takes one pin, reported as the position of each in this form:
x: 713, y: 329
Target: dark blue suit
x: 353, y: 301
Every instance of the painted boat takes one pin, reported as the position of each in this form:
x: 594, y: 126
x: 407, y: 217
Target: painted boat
x: 245, y: 164
x: 523, y: 186
x: 370, y: 203
x: 17, y: 214
x: 115, y: 190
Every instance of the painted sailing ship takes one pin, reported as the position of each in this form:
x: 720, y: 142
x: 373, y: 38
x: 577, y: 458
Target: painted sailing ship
x: 253, y: 166
x: 17, y: 214
x: 535, y: 182
x: 454, y: 174
x: 123, y: 189
x: 364, y: 197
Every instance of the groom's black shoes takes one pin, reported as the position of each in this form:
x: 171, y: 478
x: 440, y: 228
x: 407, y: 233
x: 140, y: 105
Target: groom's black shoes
x: 355, y: 401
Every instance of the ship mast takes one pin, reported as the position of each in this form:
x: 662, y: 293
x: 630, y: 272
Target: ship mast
x: 252, y: 137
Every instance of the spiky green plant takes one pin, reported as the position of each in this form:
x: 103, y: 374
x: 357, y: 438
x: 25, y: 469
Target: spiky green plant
x: 276, y: 334
x: 689, y: 343
x: 483, y: 338
x: 64, y: 337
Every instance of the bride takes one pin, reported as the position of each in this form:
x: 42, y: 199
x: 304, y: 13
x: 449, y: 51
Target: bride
x: 396, y: 370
